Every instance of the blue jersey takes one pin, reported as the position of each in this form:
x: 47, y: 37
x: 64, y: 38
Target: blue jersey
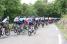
x: 21, y: 19
x: 30, y: 20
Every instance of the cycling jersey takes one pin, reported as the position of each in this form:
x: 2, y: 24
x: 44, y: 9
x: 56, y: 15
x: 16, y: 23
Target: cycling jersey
x: 16, y: 19
x: 21, y: 20
x: 30, y: 21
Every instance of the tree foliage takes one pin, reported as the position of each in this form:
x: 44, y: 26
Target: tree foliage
x: 13, y: 8
x: 40, y: 7
x: 2, y: 7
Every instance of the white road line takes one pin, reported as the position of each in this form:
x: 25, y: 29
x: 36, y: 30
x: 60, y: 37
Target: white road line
x: 60, y: 38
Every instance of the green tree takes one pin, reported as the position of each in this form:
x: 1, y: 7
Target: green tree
x: 31, y: 11
x: 2, y: 7
x: 63, y: 6
x: 24, y: 8
x: 13, y: 8
x: 40, y: 7
x: 54, y: 9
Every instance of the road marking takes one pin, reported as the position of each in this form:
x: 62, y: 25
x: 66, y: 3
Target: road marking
x: 60, y: 38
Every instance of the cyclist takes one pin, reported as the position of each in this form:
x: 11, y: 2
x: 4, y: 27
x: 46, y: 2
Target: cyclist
x: 42, y: 21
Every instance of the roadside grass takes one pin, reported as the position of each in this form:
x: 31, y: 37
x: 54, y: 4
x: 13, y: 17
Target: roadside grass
x: 62, y: 26
x: 64, y: 31
x: 64, y: 17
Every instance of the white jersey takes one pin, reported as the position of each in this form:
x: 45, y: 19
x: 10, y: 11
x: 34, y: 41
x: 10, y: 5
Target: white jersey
x: 42, y: 18
x: 5, y: 20
x: 36, y: 18
x: 16, y: 19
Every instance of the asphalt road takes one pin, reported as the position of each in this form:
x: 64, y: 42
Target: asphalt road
x: 47, y: 35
